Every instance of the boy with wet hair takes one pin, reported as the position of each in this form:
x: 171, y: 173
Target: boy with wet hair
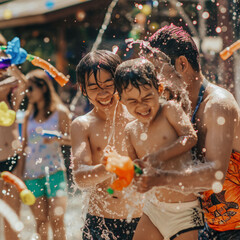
x: 216, y: 116
x: 91, y: 134
x: 160, y: 125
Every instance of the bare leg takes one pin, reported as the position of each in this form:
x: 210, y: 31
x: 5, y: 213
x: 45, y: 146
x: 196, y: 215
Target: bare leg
x: 11, y: 197
x: 57, y: 209
x: 146, y: 230
x: 188, y: 235
x: 40, y: 212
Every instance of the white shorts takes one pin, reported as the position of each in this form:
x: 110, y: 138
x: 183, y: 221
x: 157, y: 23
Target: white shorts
x: 172, y: 219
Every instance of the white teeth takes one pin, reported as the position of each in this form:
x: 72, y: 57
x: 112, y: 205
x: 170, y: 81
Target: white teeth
x: 145, y: 114
x: 105, y: 103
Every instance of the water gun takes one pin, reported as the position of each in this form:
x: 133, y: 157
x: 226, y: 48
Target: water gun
x: 7, y: 116
x: 26, y: 195
x: 19, y: 55
x: 123, y: 167
x: 227, y: 52
x: 51, y: 133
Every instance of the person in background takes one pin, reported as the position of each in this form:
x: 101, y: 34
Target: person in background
x: 12, y: 86
x: 45, y: 129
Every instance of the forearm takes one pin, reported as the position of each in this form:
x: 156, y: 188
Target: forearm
x: 193, y: 179
x: 89, y: 176
x: 179, y: 147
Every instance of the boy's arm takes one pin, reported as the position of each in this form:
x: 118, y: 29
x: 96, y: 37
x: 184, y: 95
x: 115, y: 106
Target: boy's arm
x: 187, y: 136
x: 131, y: 151
x: 218, y: 146
x: 84, y: 173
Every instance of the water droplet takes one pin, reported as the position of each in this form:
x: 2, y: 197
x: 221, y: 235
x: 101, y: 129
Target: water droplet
x: 220, y: 120
x: 143, y: 136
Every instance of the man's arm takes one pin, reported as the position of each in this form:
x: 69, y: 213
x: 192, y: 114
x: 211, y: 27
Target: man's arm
x: 221, y: 119
x: 84, y: 173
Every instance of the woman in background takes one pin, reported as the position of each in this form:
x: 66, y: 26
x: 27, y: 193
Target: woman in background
x: 44, y: 170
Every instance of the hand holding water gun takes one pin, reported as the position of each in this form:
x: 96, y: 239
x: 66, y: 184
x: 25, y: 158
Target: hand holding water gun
x: 7, y: 116
x: 26, y: 195
x: 227, y: 52
x: 123, y: 167
x: 19, y: 55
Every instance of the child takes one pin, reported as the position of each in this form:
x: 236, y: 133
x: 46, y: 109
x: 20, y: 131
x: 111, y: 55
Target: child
x: 160, y: 125
x: 91, y: 134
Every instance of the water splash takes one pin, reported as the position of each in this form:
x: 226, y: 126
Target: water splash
x: 7, y: 212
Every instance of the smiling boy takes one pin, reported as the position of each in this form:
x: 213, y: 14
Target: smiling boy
x: 159, y: 125
x: 91, y: 134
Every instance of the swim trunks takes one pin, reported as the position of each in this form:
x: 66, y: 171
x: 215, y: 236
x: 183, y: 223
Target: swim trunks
x: 222, y: 210
x: 9, y: 164
x: 99, y: 228
x: 209, y: 234
x: 54, y: 185
x: 172, y: 219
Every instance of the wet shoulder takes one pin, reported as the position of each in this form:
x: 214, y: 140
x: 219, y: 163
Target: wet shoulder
x: 219, y: 97
x: 132, y: 126
x: 84, y: 121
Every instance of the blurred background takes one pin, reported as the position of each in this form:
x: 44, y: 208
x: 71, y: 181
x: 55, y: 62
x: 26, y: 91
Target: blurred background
x: 63, y: 31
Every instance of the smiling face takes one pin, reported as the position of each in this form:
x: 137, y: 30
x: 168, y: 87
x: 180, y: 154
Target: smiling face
x: 143, y: 104
x: 101, y: 93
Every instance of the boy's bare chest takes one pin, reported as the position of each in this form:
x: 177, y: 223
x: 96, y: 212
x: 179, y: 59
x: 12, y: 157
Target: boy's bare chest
x: 153, y: 138
x: 103, y: 134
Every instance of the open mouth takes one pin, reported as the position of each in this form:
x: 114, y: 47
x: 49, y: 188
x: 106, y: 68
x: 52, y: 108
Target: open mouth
x: 145, y: 114
x: 106, y: 103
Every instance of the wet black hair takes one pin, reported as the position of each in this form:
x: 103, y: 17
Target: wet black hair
x: 176, y: 42
x: 137, y: 72
x: 92, y: 63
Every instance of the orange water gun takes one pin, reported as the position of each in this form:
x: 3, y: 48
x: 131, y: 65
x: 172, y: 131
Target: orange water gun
x: 39, y: 62
x: 26, y: 195
x: 227, y: 52
x: 123, y: 167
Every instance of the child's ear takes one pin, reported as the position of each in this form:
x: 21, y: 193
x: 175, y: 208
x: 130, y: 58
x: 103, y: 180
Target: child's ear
x: 83, y: 93
x: 181, y: 64
x: 160, y: 88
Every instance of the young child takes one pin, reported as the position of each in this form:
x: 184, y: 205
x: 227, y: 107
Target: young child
x: 91, y: 134
x: 160, y: 125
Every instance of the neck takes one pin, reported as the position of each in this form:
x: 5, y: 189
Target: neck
x: 193, y: 88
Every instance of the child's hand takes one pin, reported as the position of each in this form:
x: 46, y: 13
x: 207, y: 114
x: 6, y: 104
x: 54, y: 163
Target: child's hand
x: 146, y: 181
x: 151, y: 160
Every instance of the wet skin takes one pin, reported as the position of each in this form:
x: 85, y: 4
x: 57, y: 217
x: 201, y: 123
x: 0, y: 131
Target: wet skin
x: 90, y: 135
x: 165, y: 126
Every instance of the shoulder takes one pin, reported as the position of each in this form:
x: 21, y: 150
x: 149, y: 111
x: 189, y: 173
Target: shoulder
x: 220, y: 102
x: 170, y: 107
x: 82, y: 122
x: 220, y: 99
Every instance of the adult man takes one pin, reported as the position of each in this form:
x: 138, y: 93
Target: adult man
x: 216, y: 116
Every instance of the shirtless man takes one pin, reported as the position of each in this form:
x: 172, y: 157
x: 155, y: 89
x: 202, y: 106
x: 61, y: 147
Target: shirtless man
x: 216, y: 117
x: 91, y: 133
x: 12, y: 85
